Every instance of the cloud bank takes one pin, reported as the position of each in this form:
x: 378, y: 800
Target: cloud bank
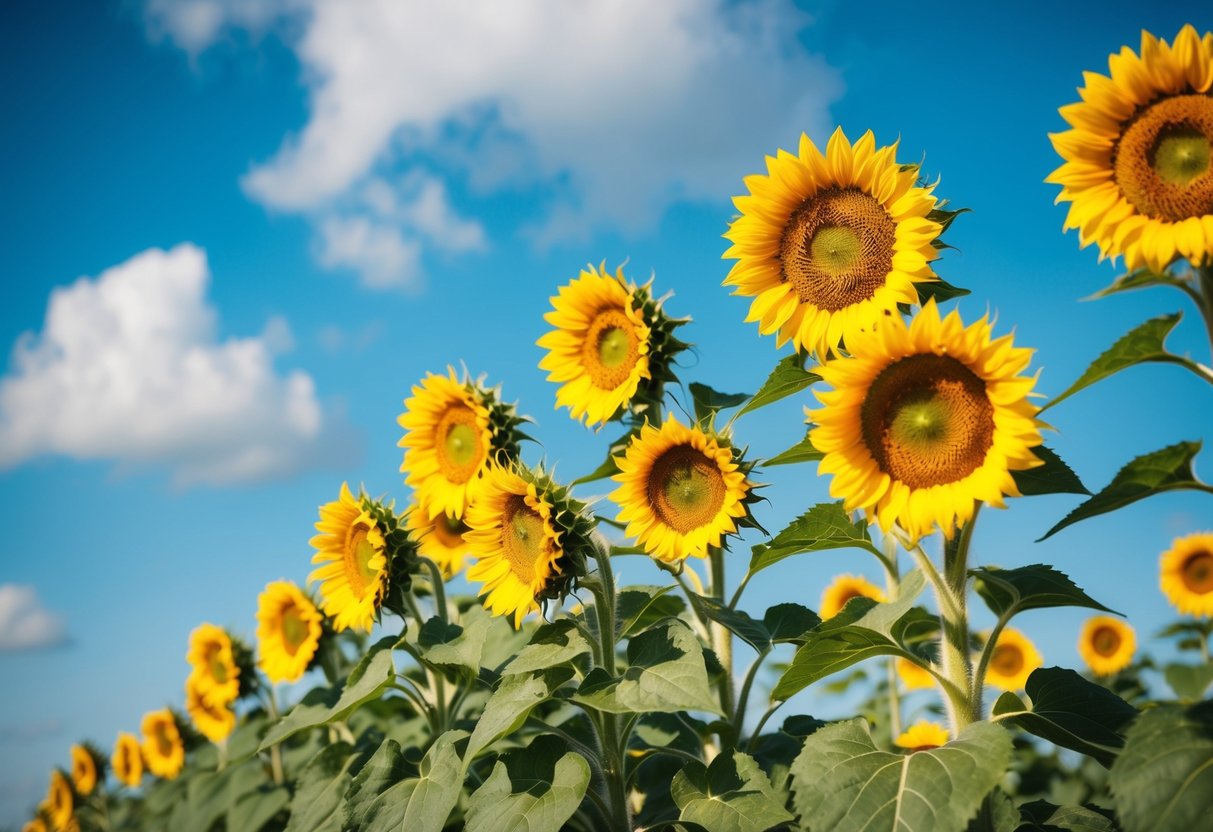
x: 24, y: 623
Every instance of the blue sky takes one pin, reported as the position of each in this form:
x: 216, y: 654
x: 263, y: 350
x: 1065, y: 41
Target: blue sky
x: 350, y: 202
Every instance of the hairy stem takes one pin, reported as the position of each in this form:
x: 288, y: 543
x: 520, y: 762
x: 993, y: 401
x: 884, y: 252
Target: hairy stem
x: 613, y: 742
x: 892, y: 591
x: 439, y: 588
x: 957, y: 664
x: 722, y: 637
x: 271, y: 704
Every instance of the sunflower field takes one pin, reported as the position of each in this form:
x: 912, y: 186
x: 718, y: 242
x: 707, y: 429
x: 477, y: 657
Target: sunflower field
x: 560, y: 699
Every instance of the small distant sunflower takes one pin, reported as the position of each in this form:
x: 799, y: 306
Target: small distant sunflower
x: 84, y: 770
x: 288, y: 631
x: 829, y: 244
x: 351, y: 546
x: 922, y: 736
x: 163, y: 749
x: 127, y: 759
x: 1139, y: 160
x: 913, y: 676
x: 214, y: 668
x: 441, y: 539
x: 680, y: 491
x: 842, y: 589
x: 1106, y: 644
x: 59, y: 804
x: 36, y: 824
x: 1013, y: 660
x: 926, y: 420
x: 213, y: 721
x: 1187, y: 574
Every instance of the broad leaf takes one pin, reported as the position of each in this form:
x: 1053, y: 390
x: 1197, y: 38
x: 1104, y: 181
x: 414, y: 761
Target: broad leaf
x: 1139, y: 279
x: 788, y: 377
x: 1041, y: 816
x: 841, y: 782
x: 802, y: 451
x: 709, y: 402
x: 1069, y: 711
x: 212, y: 795
x: 640, y: 607
x: 753, y: 633
x: 1163, y: 780
x: 1054, y: 477
x: 320, y: 790
x: 509, y: 705
x: 448, y: 645
x: 552, y: 644
x: 733, y: 794
x: 1189, y: 681
x: 1164, y: 470
x: 939, y: 291
x: 536, y: 789
x: 257, y: 808
x: 824, y: 526
x: 608, y: 467
x: 1008, y: 592
x: 379, y: 800
x: 789, y: 622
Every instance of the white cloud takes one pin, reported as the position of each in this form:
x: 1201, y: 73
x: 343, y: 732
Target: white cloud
x: 617, y: 109
x: 128, y: 367
x: 24, y: 623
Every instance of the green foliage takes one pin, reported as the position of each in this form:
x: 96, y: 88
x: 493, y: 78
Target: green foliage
x: 1041, y: 816
x: 1189, y: 681
x: 788, y: 377
x: 1008, y: 592
x: 802, y: 451
x: 708, y: 402
x: 1053, y: 477
x: 317, y: 805
x: 381, y: 798
x: 731, y: 795
x: 535, y: 789
x: 1138, y: 279
x: 824, y: 526
x: 551, y: 645
x: 507, y: 708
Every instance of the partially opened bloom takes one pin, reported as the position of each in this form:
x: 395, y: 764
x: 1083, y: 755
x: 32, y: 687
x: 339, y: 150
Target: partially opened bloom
x: 288, y: 631
x: 213, y: 664
x: 127, y: 759
x: 85, y: 769
x: 353, y: 565
x: 59, y: 804
x: 1106, y: 644
x: 1186, y: 575
x: 828, y: 244
x: 439, y: 538
x: 213, y: 721
x: 926, y: 420
x: 163, y: 748
x: 1138, y: 170
x: 922, y: 736
x: 1013, y: 660
x: 842, y: 589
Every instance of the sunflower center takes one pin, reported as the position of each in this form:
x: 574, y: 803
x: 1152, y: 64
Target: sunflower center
x: 459, y: 444
x: 163, y: 744
x: 1105, y: 641
x: 218, y: 667
x: 610, y: 349
x: 1007, y: 660
x: 359, y: 552
x: 1197, y: 573
x: 1164, y: 160
x: 294, y: 630
x: 449, y: 531
x: 524, y: 539
x: 686, y: 488
x: 837, y: 248
x: 847, y: 595
x: 927, y: 420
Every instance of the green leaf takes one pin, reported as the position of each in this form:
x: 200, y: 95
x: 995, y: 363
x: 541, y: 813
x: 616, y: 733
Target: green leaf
x: 379, y: 800
x: 843, y: 783
x: 789, y: 622
x: 938, y: 290
x: 1042, y: 816
x: 788, y: 377
x: 1164, y: 470
x: 753, y: 633
x: 640, y: 607
x: 448, y: 645
x: 1139, y: 279
x: 210, y: 796
x: 1189, y: 681
x: 255, y: 809
x: 1008, y: 592
x: 1163, y: 780
x: 733, y: 794
x: 709, y: 402
x: 552, y: 644
x: 824, y: 526
x: 802, y: 451
x: 536, y: 789
x: 1069, y: 711
x: 608, y: 467
x: 367, y: 681
x: 317, y: 804
x: 1054, y: 477
x: 509, y: 705
x: 862, y: 629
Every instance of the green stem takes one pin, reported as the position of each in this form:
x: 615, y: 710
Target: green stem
x: 954, y: 655
x: 612, y: 741
x: 956, y: 661
x: 744, y: 699
x: 737, y: 593
x: 1206, y: 299
x: 893, y: 591
x: 987, y: 653
x: 439, y: 589
x: 722, y: 636
x: 271, y: 702
x: 770, y: 712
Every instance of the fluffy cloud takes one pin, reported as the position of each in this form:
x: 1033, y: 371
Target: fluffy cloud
x: 615, y: 110
x: 24, y: 623
x: 128, y: 368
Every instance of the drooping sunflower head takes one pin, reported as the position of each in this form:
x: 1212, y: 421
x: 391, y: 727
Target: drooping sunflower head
x: 682, y: 490
x: 913, y: 676
x: 213, y: 721
x: 1013, y: 660
x: 163, y: 748
x: 922, y: 736
x: 611, y: 348
x: 925, y: 420
x: 59, y: 802
x: 529, y: 538
x: 826, y: 245
x: 842, y: 589
x: 213, y: 664
x: 1106, y: 644
x: 1139, y: 158
x: 288, y: 631
x: 352, y: 550
x: 88, y: 766
x: 440, y: 538
x: 1186, y: 576
x: 127, y: 759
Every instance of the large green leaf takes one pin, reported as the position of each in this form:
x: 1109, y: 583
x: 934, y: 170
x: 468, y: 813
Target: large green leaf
x: 1189, y: 681
x: 1008, y: 592
x: 441, y: 644
x: 788, y: 377
x: 789, y: 622
x: 320, y: 789
x: 382, y: 798
x: 1053, y: 477
x: 752, y: 632
x: 640, y: 607
x: 1164, y: 470
x: 211, y: 795
x: 802, y: 451
x: 257, y: 808
x: 1041, y: 816
x: 1139, y: 279
x: 824, y: 526
x: 842, y: 783
x: 509, y: 705
x: 1163, y: 780
x: 733, y: 794
x: 939, y: 290
x: 1069, y: 711
x: 709, y: 402
x: 536, y: 789
x: 551, y: 644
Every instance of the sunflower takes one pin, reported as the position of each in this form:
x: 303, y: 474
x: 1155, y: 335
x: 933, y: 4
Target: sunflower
x: 213, y: 664
x: 926, y: 420
x: 441, y: 539
x: 127, y: 759
x: 516, y: 543
x: 84, y: 770
x: 914, y: 676
x: 680, y: 491
x: 922, y: 736
x: 163, y: 750
x: 36, y: 824
x: 1139, y: 158
x: 351, y: 547
x: 213, y: 721
x: 59, y: 806
x: 842, y: 589
x: 1013, y: 660
x: 1106, y: 644
x: 1187, y: 574
x: 288, y: 631
x: 828, y: 245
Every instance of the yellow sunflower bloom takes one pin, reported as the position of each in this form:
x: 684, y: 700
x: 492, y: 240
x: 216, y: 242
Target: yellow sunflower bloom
x: 680, y: 491
x: 288, y: 631
x: 925, y: 420
x: 827, y: 245
x: 35, y: 825
x: 163, y: 750
x: 1187, y: 574
x: 353, y: 573
x: 59, y: 804
x: 913, y: 676
x: 441, y: 539
x: 213, y: 664
x: 84, y: 770
x: 515, y: 542
x: 922, y: 736
x: 842, y: 589
x: 127, y: 759
x: 1139, y: 158
x: 215, y: 722
x: 1106, y: 644
x: 1013, y: 660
